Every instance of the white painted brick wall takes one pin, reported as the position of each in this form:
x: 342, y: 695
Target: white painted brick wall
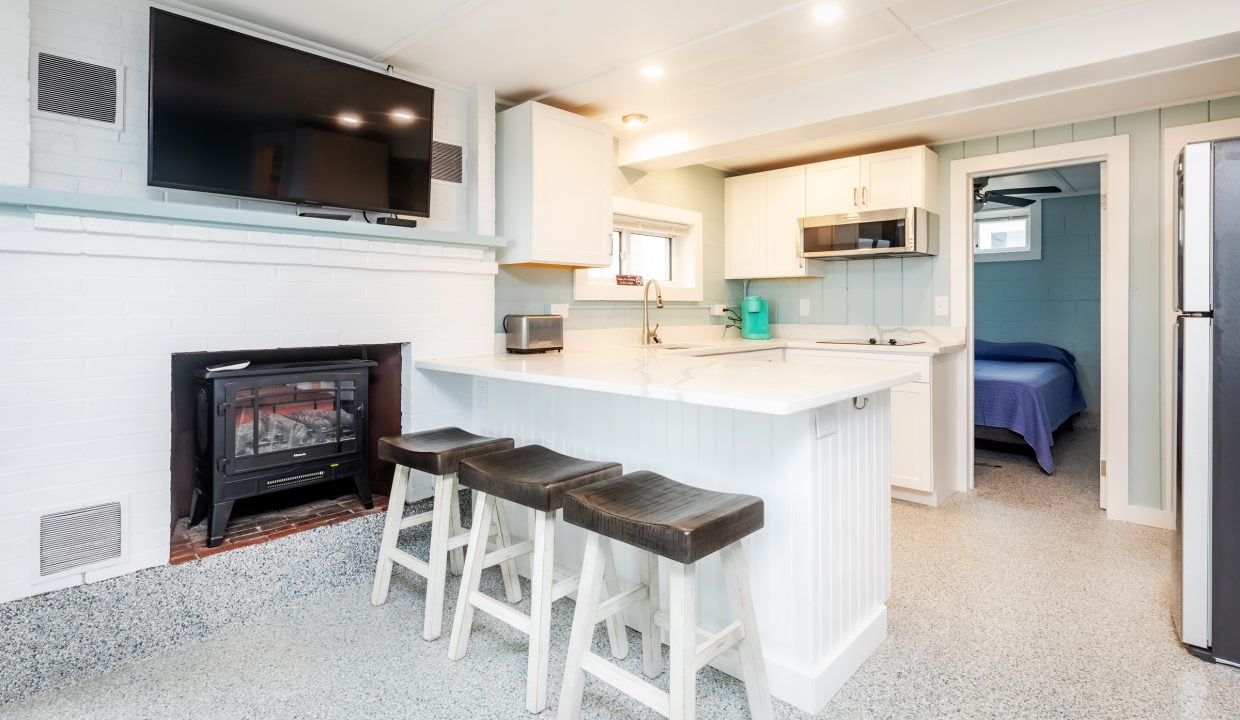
x: 77, y: 157
x: 15, y: 92
x: 91, y: 311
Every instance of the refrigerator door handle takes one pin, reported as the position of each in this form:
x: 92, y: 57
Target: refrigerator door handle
x: 1194, y: 415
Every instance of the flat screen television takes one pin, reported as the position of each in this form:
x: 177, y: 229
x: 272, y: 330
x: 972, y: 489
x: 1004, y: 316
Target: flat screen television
x: 234, y: 114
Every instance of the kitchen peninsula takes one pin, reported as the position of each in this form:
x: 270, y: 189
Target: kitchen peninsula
x: 811, y: 439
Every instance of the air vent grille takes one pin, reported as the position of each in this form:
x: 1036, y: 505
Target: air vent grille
x: 78, y: 89
x: 445, y: 162
x: 77, y: 538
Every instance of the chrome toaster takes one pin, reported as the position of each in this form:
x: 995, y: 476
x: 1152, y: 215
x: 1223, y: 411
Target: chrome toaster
x: 534, y: 333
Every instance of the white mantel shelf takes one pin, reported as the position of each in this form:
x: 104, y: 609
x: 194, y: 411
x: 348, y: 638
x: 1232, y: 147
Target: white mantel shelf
x: 737, y: 384
x: 36, y: 200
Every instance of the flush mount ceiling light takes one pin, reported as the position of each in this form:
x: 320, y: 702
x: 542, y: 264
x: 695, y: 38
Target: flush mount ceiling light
x: 827, y: 13
x: 349, y: 119
x: 402, y: 116
x: 635, y: 120
x: 654, y: 72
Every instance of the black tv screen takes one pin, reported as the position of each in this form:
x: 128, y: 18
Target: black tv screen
x: 231, y: 113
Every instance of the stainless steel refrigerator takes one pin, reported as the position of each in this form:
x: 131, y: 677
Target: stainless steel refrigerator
x: 1208, y: 397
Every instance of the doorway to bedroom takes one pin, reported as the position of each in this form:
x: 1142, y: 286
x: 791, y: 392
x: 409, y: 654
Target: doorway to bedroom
x: 1037, y: 288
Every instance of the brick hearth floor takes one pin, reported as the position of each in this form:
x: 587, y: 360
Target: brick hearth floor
x: 191, y: 543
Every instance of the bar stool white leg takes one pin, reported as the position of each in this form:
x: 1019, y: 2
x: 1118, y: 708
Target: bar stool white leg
x: 652, y: 640
x: 588, y: 596
x: 542, y: 568
x: 391, y: 530
x: 507, y: 569
x: 441, y: 530
x: 457, y: 563
x: 471, y: 576
x: 682, y: 685
x: 753, y: 668
x: 617, y: 635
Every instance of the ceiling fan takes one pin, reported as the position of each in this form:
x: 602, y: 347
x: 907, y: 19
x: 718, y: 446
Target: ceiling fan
x: 981, y: 195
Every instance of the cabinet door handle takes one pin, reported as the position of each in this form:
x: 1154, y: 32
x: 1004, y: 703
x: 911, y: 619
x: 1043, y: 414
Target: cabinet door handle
x: 863, y: 200
x: 854, y: 197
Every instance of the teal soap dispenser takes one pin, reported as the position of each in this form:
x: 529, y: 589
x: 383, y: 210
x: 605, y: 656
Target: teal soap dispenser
x: 754, y: 318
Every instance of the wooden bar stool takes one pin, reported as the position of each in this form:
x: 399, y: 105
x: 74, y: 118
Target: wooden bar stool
x: 683, y: 524
x: 536, y: 478
x: 437, y: 452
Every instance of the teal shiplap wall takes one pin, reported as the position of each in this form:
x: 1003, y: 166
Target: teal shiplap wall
x: 697, y: 187
x: 1055, y: 299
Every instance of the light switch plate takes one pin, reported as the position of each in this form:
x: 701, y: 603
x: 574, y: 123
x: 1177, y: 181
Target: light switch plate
x: 942, y: 305
x: 804, y: 307
x: 558, y: 309
x: 825, y: 421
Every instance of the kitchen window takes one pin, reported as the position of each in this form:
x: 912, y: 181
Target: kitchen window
x: 1000, y: 235
x: 650, y: 242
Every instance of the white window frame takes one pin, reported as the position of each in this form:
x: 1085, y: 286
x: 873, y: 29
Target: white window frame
x: 1034, y: 252
x: 687, y: 278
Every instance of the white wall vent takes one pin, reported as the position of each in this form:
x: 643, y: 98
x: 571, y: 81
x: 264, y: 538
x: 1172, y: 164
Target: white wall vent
x: 446, y: 161
x: 82, y: 537
x: 83, y: 90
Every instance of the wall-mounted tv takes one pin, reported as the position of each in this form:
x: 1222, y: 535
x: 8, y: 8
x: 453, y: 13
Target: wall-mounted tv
x: 234, y: 114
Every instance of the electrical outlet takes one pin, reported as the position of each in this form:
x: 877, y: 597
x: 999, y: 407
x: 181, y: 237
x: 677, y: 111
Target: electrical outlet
x: 942, y: 305
x: 804, y: 307
x: 825, y: 421
x: 558, y: 309
x: 716, y: 310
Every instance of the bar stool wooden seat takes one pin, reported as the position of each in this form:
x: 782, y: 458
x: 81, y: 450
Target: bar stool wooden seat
x: 683, y: 524
x: 536, y: 478
x: 438, y: 453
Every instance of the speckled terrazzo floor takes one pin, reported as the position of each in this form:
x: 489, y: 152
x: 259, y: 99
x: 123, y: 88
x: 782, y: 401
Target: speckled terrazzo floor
x: 1017, y: 601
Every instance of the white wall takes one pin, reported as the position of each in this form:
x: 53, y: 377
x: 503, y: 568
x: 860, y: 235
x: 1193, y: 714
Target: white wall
x: 14, y: 92
x: 79, y: 157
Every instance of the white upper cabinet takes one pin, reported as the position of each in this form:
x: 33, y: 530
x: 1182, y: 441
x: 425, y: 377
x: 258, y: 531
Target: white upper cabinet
x: 907, y: 177
x: 833, y: 187
x: 553, y: 191
x: 760, y: 225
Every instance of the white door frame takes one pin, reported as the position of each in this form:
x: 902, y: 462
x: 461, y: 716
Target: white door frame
x: 1113, y: 153
x: 1174, y: 140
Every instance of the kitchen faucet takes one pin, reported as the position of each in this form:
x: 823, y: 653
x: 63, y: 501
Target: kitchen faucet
x: 650, y: 337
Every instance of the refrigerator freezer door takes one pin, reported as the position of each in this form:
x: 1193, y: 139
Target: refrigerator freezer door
x: 1194, y: 419
x: 1194, y: 230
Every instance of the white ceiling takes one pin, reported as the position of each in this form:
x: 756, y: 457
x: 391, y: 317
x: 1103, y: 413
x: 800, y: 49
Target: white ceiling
x: 721, y: 57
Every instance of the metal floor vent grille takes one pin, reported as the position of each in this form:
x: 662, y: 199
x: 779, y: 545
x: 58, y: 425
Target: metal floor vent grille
x: 76, y: 538
x: 445, y: 162
x: 77, y: 89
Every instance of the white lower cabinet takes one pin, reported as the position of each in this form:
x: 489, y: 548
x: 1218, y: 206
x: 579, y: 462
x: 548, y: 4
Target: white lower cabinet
x: 920, y: 446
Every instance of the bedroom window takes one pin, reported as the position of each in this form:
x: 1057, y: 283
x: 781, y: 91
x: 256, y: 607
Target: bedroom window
x: 1007, y: 235
x: 648, y: 242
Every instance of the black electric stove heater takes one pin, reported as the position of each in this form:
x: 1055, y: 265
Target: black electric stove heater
x: 267, y: 428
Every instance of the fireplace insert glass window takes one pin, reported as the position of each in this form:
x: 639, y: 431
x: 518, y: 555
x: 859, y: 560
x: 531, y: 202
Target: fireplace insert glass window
x: 287, y: 416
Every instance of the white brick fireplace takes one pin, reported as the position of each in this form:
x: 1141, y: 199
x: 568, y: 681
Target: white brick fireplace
x: 91, y: 310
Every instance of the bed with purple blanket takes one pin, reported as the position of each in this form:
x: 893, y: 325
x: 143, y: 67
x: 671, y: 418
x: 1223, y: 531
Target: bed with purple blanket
x: 1027, y: 388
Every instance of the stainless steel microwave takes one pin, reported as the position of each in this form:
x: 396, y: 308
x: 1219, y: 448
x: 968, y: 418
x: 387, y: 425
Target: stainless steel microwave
x: 901, y: 232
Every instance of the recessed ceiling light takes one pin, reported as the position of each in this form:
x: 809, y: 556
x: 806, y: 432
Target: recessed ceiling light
x: 635, y: 120
x: 349, y: 119
x: 654, y: 72
x: 827, y: 13
x: 402, y: 116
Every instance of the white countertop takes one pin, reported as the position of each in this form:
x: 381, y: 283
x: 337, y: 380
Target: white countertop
x: 732, y: 345
x: 695, y: 375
